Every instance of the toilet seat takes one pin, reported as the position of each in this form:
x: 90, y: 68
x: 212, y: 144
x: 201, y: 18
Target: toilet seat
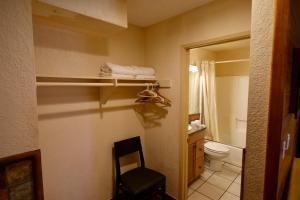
x: 216, y: 147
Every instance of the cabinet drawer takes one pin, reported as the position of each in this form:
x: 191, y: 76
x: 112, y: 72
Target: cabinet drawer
x: 199, y: 166
x: 199, y: 149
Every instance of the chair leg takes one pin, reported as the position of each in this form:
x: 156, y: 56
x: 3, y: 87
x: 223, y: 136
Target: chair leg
x: 163, y: 191
x: 117, y: 192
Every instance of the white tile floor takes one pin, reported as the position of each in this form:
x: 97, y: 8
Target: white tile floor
x: 224, y: 185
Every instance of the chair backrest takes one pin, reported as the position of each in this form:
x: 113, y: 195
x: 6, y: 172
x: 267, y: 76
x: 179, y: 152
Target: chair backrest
x: 125, y: 147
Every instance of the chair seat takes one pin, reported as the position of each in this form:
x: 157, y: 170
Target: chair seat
x: 140, y: 179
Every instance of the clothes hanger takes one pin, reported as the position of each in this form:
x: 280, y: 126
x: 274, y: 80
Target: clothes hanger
x: 147, y: 92
x: 153, y: 97
x: 162, y: 99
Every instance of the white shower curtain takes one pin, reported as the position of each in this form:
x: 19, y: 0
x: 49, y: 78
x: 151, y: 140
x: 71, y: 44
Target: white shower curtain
x: 207, y: 98
x: 194, y: 85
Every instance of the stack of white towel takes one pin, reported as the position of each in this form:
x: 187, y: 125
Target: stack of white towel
x: 196, y: 123
x: 119, y: 71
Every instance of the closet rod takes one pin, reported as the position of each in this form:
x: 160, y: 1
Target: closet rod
x: 73, y: 84
x: 96, y: 84
x: 137, y: 84
x: 232, y: 61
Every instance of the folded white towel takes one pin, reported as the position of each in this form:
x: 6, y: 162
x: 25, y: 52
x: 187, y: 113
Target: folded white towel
x: 117, y: 69
x: 133, y: 70
x: 144, y: 77
x: 147, y: 71
x: 109, y: 75
x: 122, y: 76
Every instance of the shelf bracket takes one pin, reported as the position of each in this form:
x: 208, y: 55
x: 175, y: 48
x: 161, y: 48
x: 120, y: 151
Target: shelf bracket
x: 115, y: 82
x: 106, y: 92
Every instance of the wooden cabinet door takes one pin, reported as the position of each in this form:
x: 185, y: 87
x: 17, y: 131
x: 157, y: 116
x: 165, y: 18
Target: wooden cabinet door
x: 199, y: 163
x: 199, y: 149
x: 191, y: 161
x: 198, y: 167
x: 195, y: 156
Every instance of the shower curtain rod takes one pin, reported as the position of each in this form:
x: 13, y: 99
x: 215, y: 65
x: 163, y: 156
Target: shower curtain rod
x: 231, y: 61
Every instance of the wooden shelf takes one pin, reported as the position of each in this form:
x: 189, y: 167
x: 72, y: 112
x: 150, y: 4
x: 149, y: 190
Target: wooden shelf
x: 89, y: 81
x: 89, y: 78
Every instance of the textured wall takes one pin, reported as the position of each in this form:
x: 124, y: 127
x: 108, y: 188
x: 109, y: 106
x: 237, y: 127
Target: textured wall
x: 259, y: 91
x: 18, y: 119
x: 163, y: 43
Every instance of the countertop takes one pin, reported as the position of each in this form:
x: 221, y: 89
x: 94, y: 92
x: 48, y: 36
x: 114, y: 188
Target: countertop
x: 194, y: 130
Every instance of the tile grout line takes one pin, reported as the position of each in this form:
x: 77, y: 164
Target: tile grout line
x: 228, y: 191
x: 227, y: 178
x: 223, y: 178
x: 235, y: 183
x: 204, y: 183
x: 195, y: 190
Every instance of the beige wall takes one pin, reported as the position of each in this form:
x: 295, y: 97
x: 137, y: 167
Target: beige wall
x: 76, y: 136
x: 163, y: 42
x: 233, y: 69
x: 18, y: 119
x: 112, y: 11
x: 259, y: 91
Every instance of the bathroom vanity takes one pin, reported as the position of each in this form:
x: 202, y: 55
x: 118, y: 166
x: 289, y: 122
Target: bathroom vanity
x: 195, y: 154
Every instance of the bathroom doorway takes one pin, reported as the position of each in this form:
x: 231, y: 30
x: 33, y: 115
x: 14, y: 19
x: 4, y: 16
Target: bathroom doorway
x: 217, y: 76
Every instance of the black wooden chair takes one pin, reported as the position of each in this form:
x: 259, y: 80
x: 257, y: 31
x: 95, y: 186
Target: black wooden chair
x: 138, y: 183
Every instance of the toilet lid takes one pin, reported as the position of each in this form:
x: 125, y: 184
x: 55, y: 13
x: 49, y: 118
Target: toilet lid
x: 216, y: 147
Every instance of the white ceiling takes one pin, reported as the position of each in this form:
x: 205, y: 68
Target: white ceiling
x: 147, y: 12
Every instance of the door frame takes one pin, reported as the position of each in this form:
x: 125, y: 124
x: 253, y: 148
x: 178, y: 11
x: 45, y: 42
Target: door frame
x: 184, y: 99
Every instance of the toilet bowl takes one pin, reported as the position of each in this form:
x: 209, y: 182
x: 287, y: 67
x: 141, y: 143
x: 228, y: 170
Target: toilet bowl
x: 215, y: 152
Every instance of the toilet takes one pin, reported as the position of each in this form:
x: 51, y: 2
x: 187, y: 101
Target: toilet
x: 215, y: 152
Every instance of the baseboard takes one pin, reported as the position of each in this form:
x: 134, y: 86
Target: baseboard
x: 167, y: 197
